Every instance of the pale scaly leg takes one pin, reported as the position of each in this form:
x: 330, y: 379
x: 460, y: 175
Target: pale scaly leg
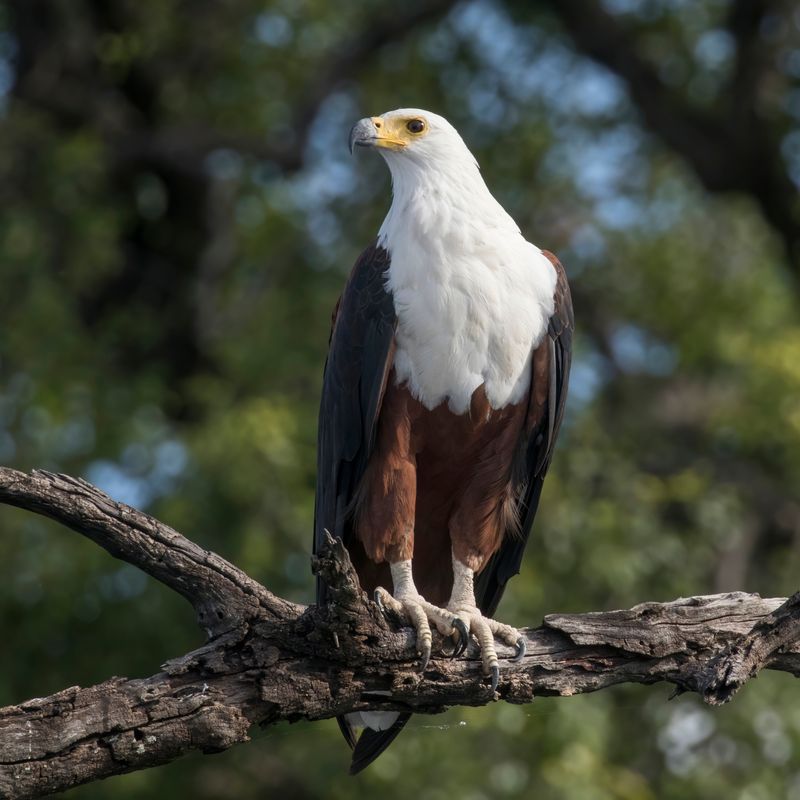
x: 409, y: 603
x: 485, y: 630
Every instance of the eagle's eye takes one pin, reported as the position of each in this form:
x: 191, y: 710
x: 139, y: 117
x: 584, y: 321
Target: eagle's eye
x: 415, y: 125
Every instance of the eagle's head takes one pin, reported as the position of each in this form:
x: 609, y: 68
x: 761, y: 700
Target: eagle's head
x: 411, y: 134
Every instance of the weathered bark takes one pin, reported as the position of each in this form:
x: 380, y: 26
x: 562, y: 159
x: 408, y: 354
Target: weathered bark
x: 269, y: 660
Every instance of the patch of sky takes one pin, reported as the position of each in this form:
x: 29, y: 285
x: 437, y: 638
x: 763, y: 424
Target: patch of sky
x: 791, y: 63
x: 8, y: 46
x: 142, y: 474
x: 520, y: 64
x: 6, y: 81
x: 591, y: 91
x: 667, y: 208
x: 606, y: 168
x: 439, y: 46
x: 265, y: 173
x: 646, y: 10
x: 324, y: 227
x: 603, y: 160
x: 587, y: 243
x: 224, y: 164
x: 326, y: 182
x: 714, y: 49
x: 531, y: 65
x: 775, y: 744
x: 588, y: 374
x: 171, y: 460
x: 687, y: 728
x: 8, y: 51
x: 620, y: 213
x: 273, y: 29
x: 488, y: 27
x: 118, y: 484
x: 541, y: 76
x: 637, y: 351
x: 622, y: 6
x: 74, y: 437
x: 328, y: 173
x: 488, y: 105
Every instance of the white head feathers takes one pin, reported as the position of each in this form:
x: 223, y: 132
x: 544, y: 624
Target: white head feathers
x: 473, y: 298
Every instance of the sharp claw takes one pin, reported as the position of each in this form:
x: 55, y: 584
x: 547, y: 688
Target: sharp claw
x: 426, y: 657
x: 495, y: 677
x: 463, y: 637
x: 376, y: 596
x: 522, y: 648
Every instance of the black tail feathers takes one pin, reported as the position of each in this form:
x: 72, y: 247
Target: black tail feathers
x: 372, y: 743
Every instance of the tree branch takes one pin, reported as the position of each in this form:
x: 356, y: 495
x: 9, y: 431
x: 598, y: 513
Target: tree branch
x: 269, y: 660
x: 222, y: 595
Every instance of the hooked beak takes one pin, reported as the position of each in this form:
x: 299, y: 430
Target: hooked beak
x: 372, y: 132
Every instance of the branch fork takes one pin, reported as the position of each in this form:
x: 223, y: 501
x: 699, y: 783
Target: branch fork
x: 267, y: 659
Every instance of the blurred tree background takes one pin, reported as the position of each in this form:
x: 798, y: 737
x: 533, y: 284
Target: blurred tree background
x: 179, y: 213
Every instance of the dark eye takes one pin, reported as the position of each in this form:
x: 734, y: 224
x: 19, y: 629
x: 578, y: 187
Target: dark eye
x: 415, y: 125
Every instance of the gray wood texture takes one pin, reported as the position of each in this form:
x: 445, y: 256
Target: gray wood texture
x: 268, y: 660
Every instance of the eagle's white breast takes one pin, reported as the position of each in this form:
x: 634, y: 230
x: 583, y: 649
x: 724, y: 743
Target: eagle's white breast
x: 473, y: 297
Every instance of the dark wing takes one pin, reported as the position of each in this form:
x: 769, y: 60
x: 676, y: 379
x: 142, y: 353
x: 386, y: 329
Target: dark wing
x: 359, y: 360
x: 549, y: 379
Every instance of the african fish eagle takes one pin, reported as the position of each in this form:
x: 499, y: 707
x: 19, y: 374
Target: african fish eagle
x: 443, y: 393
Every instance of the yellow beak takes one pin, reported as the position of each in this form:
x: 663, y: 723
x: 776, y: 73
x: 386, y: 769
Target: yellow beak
x: 374, y: 132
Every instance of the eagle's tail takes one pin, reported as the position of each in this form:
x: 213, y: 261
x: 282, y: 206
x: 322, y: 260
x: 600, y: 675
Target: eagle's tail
x: 372, y: 743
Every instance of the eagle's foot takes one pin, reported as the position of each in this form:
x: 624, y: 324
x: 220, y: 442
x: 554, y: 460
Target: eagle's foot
x: 420, y: 613
x: 485, y: 631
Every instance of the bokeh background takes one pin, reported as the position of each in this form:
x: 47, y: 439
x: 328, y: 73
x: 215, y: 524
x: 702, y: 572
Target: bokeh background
x: 178, y: 212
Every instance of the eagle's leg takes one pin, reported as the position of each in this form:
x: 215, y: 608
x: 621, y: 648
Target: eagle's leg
x: 409, y: 603
x: 485, y: 630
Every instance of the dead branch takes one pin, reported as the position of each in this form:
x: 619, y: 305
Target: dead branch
x: 268, y: 660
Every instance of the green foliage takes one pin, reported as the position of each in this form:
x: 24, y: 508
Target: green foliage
x: 165, y: 320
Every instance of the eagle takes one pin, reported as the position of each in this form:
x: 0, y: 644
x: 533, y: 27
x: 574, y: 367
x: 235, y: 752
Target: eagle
x: 443, y: 393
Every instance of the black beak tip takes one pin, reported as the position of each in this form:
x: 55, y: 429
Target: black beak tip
x: 361, y: 134
x: 353, y: 138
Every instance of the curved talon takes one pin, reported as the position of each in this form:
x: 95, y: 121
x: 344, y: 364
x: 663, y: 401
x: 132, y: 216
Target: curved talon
x: 522, y: 648
x: 463, y: 637
x: 376, y: 597
x: 425, y: 658
x: 495, y: 677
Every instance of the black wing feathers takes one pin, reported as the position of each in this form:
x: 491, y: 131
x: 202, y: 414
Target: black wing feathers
x: 359, y: 359
x: 491, y: 583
